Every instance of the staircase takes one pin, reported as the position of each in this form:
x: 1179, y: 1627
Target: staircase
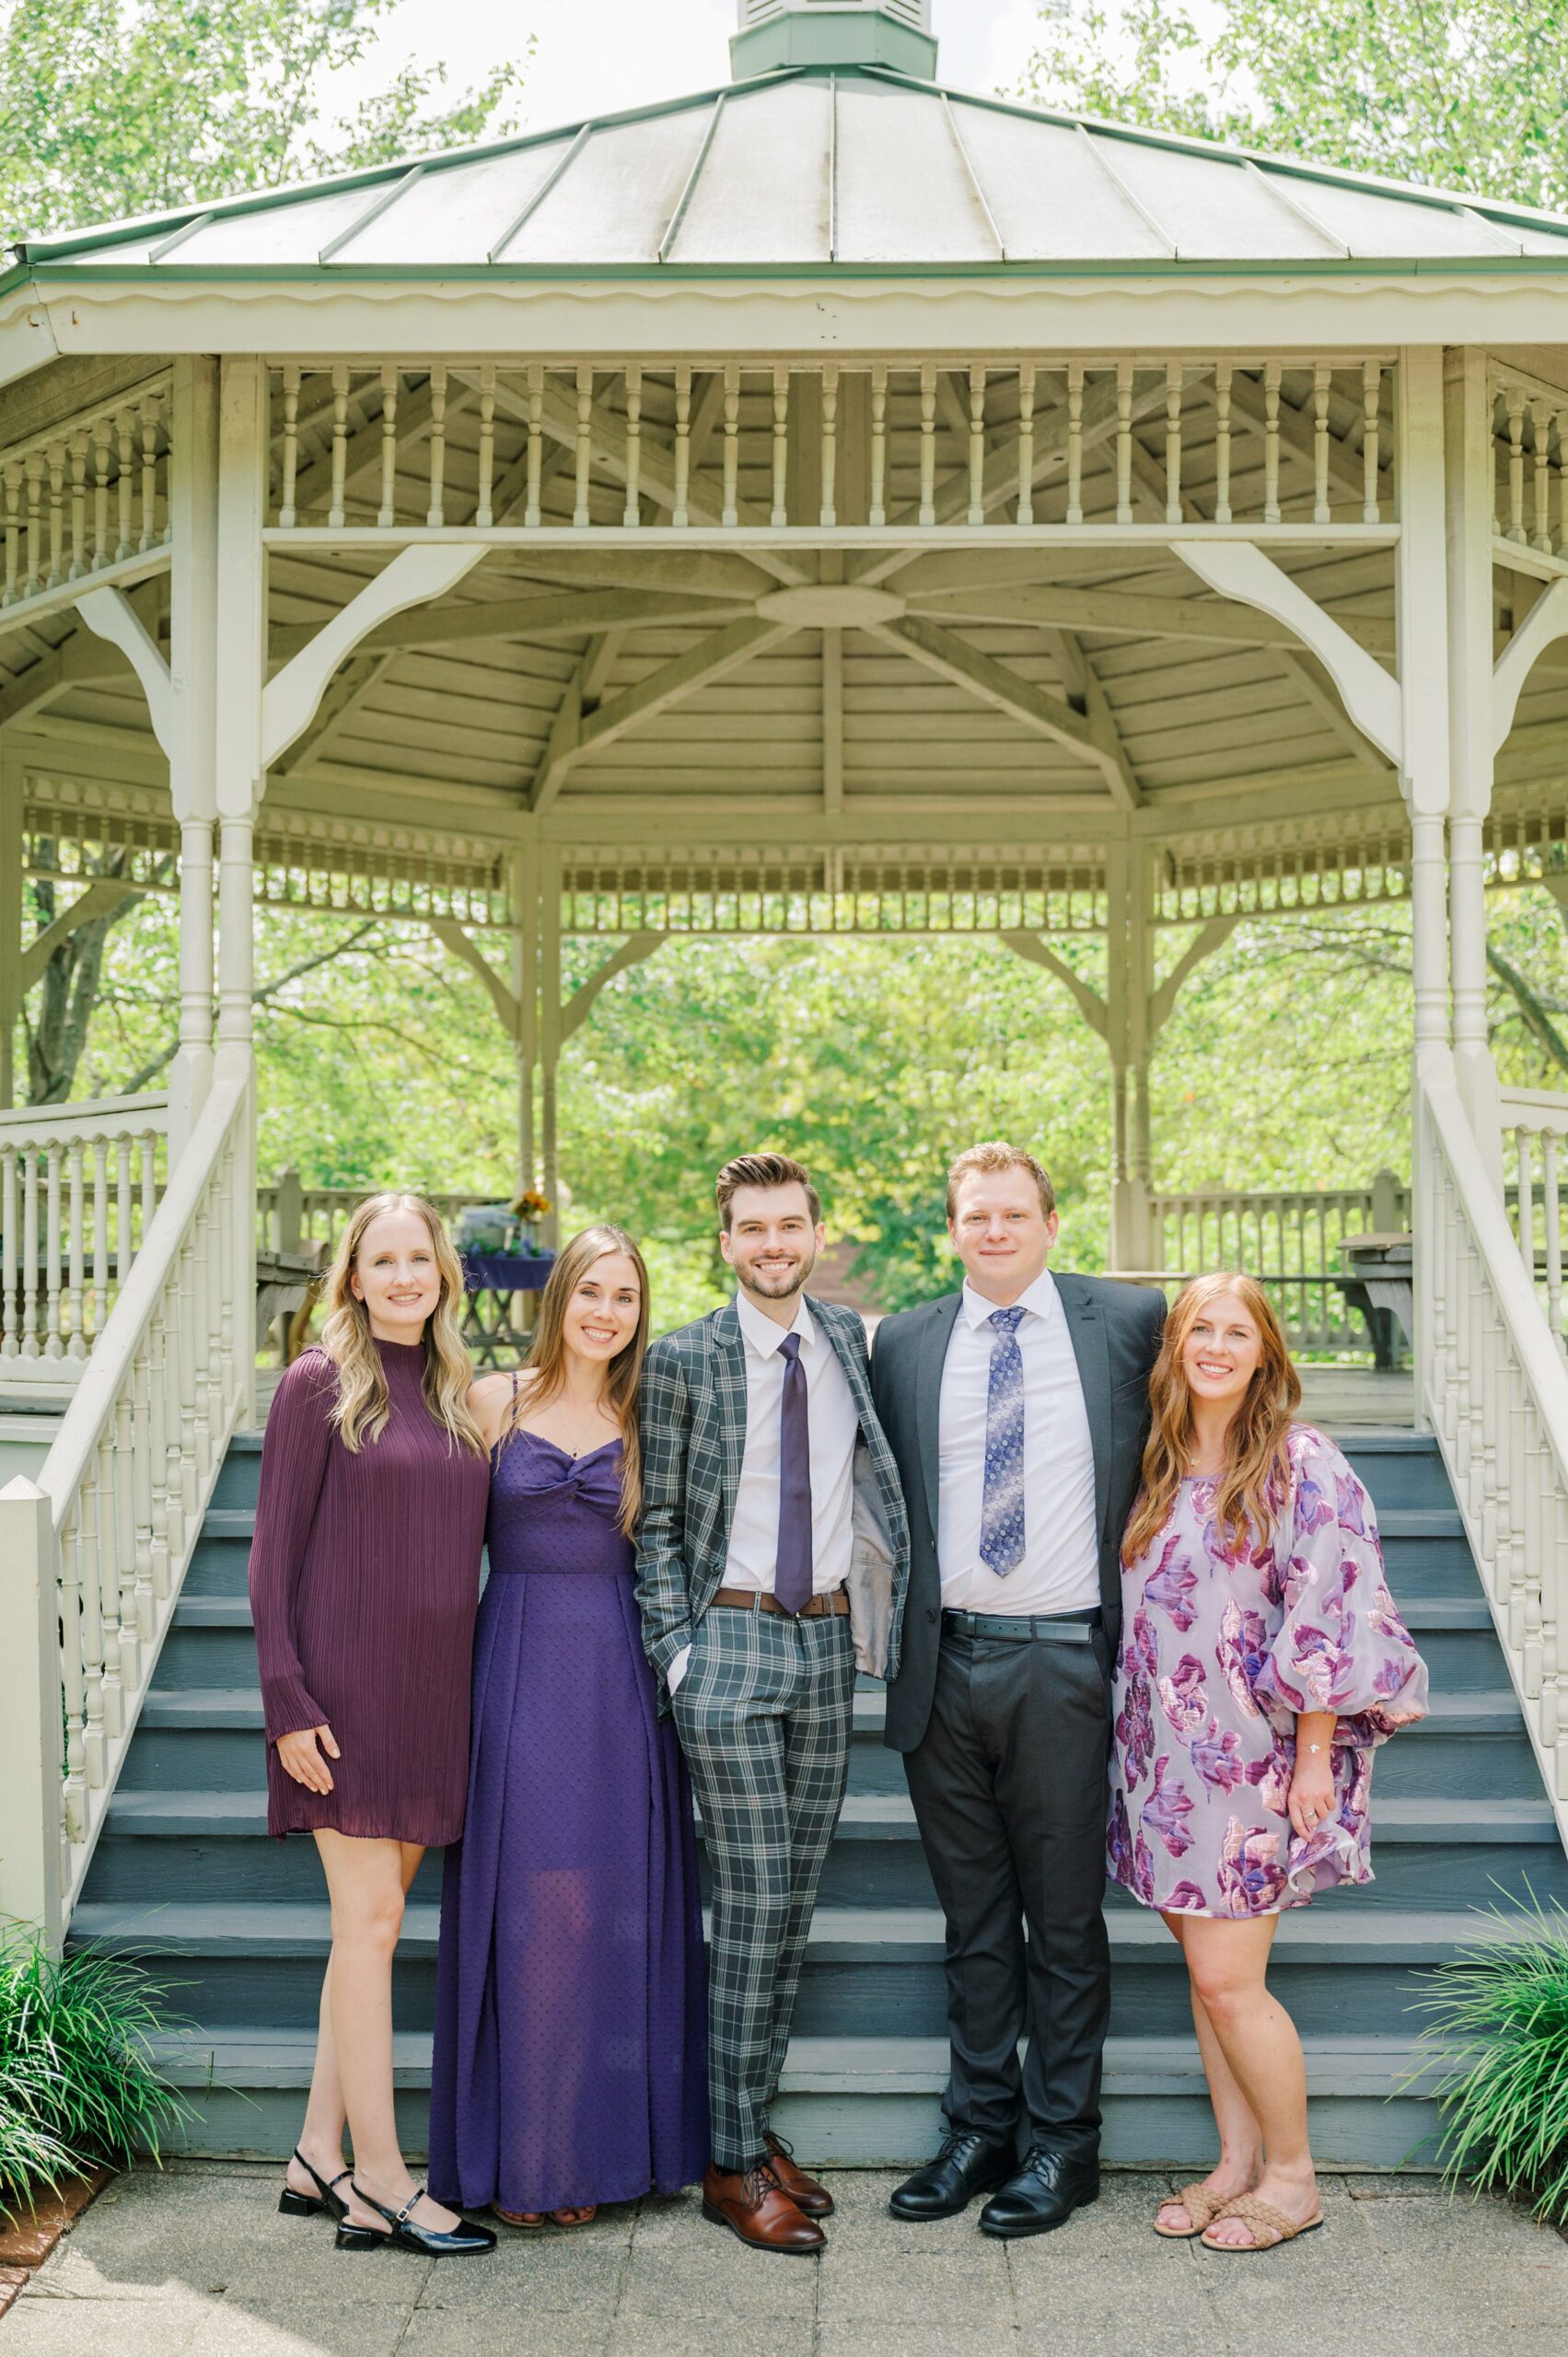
x: 184, y: 1875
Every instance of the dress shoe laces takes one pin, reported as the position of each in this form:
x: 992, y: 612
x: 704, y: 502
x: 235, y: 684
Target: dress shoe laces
x: 758, y: 2183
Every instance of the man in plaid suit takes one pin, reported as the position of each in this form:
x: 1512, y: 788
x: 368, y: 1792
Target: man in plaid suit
x: 772, y: 1560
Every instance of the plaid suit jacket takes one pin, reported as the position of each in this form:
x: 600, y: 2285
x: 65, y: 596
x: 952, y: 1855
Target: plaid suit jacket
x: 692, y: 1414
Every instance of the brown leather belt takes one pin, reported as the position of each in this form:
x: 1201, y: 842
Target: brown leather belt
x: 835, y: 1604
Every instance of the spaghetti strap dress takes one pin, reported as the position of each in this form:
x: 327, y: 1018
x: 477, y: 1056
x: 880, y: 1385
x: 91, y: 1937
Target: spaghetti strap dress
x: 570, y: 2063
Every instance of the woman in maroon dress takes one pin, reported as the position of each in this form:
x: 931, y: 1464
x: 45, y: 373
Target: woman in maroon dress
x: 364, y: 1587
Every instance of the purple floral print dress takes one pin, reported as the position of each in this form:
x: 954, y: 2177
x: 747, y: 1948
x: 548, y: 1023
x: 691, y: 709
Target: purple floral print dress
x: 1221, y: 1647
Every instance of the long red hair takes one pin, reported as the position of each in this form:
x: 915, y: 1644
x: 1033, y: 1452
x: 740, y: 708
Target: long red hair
x: 1257, y: 1468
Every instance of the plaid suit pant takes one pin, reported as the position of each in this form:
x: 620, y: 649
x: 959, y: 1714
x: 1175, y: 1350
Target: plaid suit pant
x: 764, y: 1714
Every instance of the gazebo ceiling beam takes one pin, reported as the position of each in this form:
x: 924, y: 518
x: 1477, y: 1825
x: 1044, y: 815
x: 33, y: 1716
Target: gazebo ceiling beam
x: 1083, y: 689
x: 539, y: 617
x: 347, y: 692
x: 81, y: 660
x: 1303, y: 672
x: 1136, y: 615
x: 576, y: 735
x: 952, y: 658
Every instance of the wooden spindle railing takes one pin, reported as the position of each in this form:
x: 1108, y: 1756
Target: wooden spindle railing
x: 95, y: 1555
x: 79, y: 1186
x: 56, y: 494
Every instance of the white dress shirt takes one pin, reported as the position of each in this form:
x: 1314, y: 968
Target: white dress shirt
x: 1059, y: 1570
x: 834, y: 1428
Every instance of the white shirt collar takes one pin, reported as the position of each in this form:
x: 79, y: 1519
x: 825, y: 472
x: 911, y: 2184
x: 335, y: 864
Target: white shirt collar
x: 1040, y: 1300
x: 765, y: 1334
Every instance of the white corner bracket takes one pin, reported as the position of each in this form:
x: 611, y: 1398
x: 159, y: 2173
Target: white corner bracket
x: 1236, y: 568
x: 414, y: 577
x: 1547, y: 620
x: 109, y: 614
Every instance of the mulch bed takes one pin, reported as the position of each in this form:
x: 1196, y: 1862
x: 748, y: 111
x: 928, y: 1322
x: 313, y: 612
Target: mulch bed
x: 28, y: 2240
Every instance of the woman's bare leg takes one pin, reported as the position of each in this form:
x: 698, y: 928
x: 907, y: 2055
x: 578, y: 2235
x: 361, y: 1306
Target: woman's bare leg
x: 1227, y: 1961
x: 368, y: 1881
x: 1241, y: 2139
x: 326, y: 2116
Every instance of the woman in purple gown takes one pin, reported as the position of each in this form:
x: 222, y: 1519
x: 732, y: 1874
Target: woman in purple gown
x: 1261, y: 1663
x: 570, y: 2060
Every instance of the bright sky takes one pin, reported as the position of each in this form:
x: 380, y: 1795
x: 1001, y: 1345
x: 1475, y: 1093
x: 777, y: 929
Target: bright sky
x: 597, y: 55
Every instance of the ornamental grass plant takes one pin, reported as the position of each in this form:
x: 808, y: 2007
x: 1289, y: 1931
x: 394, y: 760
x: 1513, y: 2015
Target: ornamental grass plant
x: 79, y: 2084
x: 1499, y: 2033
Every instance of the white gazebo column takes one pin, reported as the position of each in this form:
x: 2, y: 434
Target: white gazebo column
x: 10, y: 922
x: 239, y: 639
x: 1421, y: 637
x: 1126, y: 1026
x: 1468, y: 467
x: 548, y: 1042
x: 523, y: 890
x: 192, y: 747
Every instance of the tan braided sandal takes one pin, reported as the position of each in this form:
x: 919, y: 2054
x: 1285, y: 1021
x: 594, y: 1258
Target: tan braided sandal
x: 1263, y: 2217
x: 1202, y: 2206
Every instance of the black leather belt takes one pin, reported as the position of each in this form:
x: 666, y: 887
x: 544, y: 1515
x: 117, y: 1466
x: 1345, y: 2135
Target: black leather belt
x: 1018, y: 1627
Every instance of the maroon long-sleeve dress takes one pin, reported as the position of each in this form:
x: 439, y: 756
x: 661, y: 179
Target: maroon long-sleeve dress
x: 363, y: 1588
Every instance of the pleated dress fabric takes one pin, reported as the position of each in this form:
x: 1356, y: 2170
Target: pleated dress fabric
x: 571, y: 2043
x: 363, y: 1589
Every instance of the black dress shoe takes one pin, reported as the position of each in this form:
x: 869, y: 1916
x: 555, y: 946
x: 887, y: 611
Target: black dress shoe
x: 1043, y: 2194
x: 966, y: 2166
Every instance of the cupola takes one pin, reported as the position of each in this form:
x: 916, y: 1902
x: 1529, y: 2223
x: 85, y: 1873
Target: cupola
x: 826, y: 33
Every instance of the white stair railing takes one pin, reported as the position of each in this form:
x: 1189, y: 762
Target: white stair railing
x: 1496, y: 1390
x: 1535, y: 1128
x: 79, y: 1185
x: 93, y: 1558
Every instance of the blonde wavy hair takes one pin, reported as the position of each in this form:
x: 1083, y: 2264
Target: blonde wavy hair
x: 1257, y: 1470
x: 547, y: 1358
x: 364, y: 1404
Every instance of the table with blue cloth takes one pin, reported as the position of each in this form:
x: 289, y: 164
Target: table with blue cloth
x: 492, y: 1282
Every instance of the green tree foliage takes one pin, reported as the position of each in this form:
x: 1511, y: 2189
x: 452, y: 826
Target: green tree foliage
x: 113, y: 108
x: 1471, y: 96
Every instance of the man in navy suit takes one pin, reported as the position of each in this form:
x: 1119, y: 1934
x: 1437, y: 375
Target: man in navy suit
x: 1016, y: 1411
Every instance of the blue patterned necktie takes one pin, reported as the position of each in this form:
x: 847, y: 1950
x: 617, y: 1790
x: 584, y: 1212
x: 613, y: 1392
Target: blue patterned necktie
x: 1002, y: 1515
x: 793, y: 1570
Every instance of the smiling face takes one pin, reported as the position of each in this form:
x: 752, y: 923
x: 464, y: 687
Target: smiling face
x: 771, y: 1242
x: 1222, y: 1350
x: 601, y: 1317
x: 396, y: 1276
x: 1001, y: 1232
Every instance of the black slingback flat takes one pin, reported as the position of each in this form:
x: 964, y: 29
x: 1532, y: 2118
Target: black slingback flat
x: 464, y: 2241
x: 324, y: 2202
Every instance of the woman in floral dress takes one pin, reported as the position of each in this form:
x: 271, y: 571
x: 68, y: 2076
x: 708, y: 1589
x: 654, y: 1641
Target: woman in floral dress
x: 1261, y: 1662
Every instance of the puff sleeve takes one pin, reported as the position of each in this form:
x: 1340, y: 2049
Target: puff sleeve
x: 1342, y: 1645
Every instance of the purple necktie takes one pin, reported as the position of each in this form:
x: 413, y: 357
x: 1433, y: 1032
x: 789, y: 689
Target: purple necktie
x: 791, y: 1575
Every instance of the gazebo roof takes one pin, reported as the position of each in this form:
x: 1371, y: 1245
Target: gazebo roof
x: 804, y: 170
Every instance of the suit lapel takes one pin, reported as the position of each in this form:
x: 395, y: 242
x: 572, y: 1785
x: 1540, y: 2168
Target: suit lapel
x: 1085, y: 1325
x: 853, y: 1367
x: 729, y: 1394
x: 935, y: 1337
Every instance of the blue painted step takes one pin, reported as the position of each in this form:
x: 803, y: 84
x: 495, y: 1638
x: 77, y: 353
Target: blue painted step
x: 184, y: 1870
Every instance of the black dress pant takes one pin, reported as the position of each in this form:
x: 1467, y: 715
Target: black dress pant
x: 1009, y: 1790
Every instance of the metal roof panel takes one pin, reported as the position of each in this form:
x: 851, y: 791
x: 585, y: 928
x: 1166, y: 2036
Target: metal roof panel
x: 905, y: 191
x: 1211, y: 208
x: 1048, y: 193
x: 763, y: 195
x: 619, y: 195
x: 455, y: 213
x: 270, y: 233
x: 1377, y: 227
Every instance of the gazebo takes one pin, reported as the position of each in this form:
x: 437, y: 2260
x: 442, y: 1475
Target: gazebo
x: 831, y: 503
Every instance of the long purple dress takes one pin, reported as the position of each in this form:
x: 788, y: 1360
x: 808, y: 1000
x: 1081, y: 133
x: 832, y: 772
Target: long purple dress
x: 571, y: 2004
x: 1222, y: 1647
x: 364, y: 1586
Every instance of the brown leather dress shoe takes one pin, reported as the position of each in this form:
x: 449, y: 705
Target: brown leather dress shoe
x: 806, y: 2194
x: 753, y: 2205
